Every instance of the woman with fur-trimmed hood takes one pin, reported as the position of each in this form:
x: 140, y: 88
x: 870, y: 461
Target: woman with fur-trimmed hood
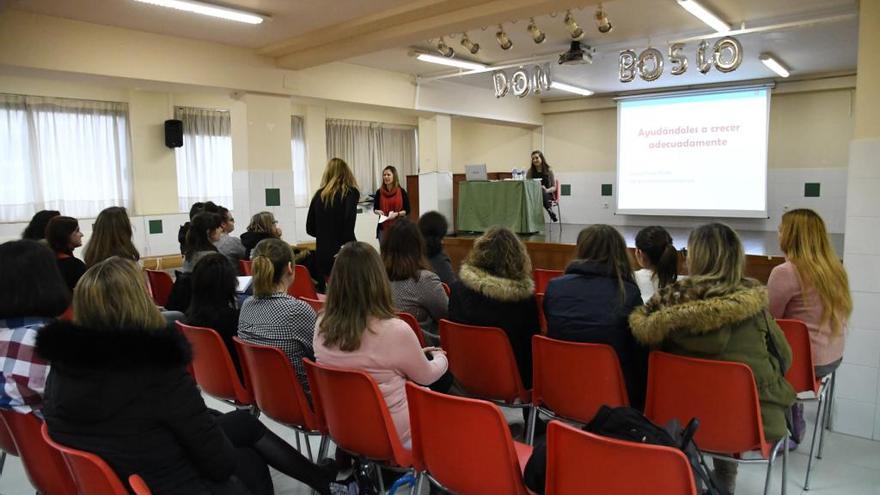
x: 719, y: 314
x: 496, y: 289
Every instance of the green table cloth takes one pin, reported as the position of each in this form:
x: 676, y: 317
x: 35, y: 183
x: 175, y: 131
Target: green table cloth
x: 515, y: 204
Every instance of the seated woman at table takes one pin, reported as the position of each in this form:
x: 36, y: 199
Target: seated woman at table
x: 540, y: 169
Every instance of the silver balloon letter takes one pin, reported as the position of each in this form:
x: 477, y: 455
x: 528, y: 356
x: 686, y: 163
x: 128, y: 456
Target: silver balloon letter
x: 627, y: 66
x: 650, y: 57
x: 677, y: 59
x: 731, y: 45
x: 704, y: 59
x: 540, y: 79
x: 520, y: 83
x: 500, y: 80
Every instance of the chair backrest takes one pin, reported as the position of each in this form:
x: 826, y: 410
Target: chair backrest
x: 274, y: 385
x: 43, y: 464
x: 482, y: 361
x: 92, y: 474
x: 7, y: 443
x: 801, y: 374
x: 414, y: 324
x: 160, y: 286
x: 246, y: 267
x: 574, y: 380
x: 357, y: 418
x: 446, y: 288
x: 721, y: 394
x: 543, y: 277
x: 613, y: 466
x: 464, y: 443
x: 542, y: 318
x: 303, y: 285
x: 138, y: 485
x: 214, y: 371
x: 316, y: 304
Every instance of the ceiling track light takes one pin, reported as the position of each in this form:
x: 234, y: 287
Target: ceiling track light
x: 538, y: 36
x: 503, y: 40
x: 602, y: 22
x: 203, y: 8
x: 444, y: 49
x: 469, y: 45
x: 702, y: 13
x: 775, y: 65
x: 449, y: 62
x: 573, y: 29
x: 571, y: 89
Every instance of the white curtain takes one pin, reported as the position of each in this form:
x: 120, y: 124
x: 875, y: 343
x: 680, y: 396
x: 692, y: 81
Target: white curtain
x: 300, y: 161
x: 204, y: 163
x: 368, y: 147
x: 62, y: 154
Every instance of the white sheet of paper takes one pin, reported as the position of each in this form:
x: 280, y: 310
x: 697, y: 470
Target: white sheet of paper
x: 243, y: 284
x: 382, y: 218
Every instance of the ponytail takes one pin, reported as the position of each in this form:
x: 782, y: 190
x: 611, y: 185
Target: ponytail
x: 666, y: 267
x: 270, y: 259
x: 264, y: 276
x: 656, y: 243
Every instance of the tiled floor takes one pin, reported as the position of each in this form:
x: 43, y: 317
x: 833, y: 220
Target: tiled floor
x: 851, y: 466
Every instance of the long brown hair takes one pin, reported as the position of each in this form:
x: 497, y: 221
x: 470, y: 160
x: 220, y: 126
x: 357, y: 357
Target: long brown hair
x: 358, y: 289
x: 403, y: 251
x: 337, y: 181
x: 111, y: 236
x: 656, y: 243
x: 604, y: 245
x: 716, y: 257
x: 804, y: 240
x: 112, y: 295
x: 270, y: 259
x: 500, y: 252
x: 395, y: 181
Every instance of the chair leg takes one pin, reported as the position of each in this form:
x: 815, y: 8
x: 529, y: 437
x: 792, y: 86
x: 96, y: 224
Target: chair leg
x: 308, y: 441
x: 817, y: 426
x: 826, y: 415
x: 832, y: 385
x: 2, y: 461
x: 323, y: 448
x: 770, y: 461
x: 420, y: 482
x: 298, y: 445
x: 530, y: 426
x: 785, y: 464
x: 379, y: 478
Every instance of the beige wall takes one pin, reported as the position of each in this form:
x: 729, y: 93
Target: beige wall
x: 500, y: 147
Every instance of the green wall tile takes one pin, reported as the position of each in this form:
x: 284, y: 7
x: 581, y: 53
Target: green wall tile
x: 811, y: 189
x: 273, y: 197
x: 606, y: 189
x: 155, y: 226
x: 566, y: 190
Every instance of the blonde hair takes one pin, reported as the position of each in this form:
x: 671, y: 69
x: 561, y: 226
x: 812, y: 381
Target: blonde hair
x: 270, y: 259
x: 500, y: 252
x: 337, y: 181
x: 263, y: 221
x: 804, y: 240
x: 715, y: 257
x: 112, y: 295
x: 111, y: 236
x: 358, y: 289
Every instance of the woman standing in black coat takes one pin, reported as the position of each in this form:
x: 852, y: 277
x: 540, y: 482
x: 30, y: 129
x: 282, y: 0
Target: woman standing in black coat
x: 592, y: 302
x: 332, y: 214
x: 119, y: 388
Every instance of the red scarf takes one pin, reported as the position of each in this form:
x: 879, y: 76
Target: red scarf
x: 390, y: 201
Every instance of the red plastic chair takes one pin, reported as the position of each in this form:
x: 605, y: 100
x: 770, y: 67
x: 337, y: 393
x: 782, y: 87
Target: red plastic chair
x: 543, y: 277
x: 802, y: 377
x: 581, y: 463
x: 278, y: 392
x: 414, y: 324
x: 542, y: 318
x: 246, y: 267
x: 7, y: 445
x: 213, y: 368
x: 464, y: 445
x: 554, y: 201
x: 446, y: 288
x: 723, y: 396
x: 44, y: 466
x: 93, y: 476
x: 316, y: 304
x: 573, y: 380
x: 482, y: 361
x: 160, y: 286
x: 138, y: 485
x: 303, y: 285
x: 357, y: 418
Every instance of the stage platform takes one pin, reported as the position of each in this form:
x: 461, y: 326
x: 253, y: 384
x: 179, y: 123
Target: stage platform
x: 556, y: 247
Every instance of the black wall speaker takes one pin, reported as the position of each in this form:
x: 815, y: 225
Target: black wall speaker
x: 173, y: 133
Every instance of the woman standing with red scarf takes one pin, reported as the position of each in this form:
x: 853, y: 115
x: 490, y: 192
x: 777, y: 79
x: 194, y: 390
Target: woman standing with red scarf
x: 390, y: 200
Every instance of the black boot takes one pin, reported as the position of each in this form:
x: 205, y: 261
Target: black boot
x: 283, y: 457
x: 552, y: 215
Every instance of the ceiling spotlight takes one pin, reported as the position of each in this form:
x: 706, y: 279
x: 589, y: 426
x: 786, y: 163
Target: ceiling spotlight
x: 774, y: 64
x: 503, y: 40
x: 444, y: 49
x: 469, y: 45
x: 602, y: 21
x: 573, y: 28
x: 537, y: 35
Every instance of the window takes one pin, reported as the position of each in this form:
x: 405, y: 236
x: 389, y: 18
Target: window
x: 62, y: 154
x: 300, y: 162
x: 204, y: 163
x: 368, y: 147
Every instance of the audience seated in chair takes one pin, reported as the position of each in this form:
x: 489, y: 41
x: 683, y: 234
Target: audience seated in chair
x: 111, y: 236
x: 433, y: 226
x: 63, y: 236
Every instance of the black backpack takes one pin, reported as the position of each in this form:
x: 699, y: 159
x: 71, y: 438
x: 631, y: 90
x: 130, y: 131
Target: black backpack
x: 626, y: 423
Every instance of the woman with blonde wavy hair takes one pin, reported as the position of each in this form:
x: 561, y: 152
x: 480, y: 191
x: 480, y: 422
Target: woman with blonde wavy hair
x: 119, y: 388
x: 332, y: 214
x: 359, y: 330
x: 263, y: 225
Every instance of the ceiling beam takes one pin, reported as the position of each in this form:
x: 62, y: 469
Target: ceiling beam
x: 412, y: 23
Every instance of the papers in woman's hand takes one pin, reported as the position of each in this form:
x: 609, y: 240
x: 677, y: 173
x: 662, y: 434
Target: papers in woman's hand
x: 383, y: 218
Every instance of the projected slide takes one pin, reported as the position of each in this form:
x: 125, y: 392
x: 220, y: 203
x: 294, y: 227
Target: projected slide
x: 698, y: 154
